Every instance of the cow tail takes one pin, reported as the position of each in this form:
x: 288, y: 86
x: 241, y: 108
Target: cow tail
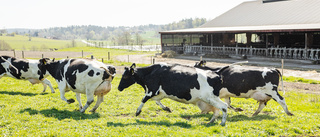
x: 107, y: 71
x: 284, y: 92
x: 10, y: 65
x: 221, y: 70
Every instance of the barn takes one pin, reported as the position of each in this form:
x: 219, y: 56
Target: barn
x: 269, y: 28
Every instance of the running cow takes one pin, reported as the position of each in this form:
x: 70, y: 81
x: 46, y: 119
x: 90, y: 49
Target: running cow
x: 24, y: 69
x: 184, y: 84
x: 84, y: 76
x: 260, y: 84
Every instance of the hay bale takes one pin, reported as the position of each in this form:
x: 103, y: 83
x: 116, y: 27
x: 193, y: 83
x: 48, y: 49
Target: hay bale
x: 168, y: 54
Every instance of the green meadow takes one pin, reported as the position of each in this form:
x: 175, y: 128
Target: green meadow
x: 26, y: 111
x: 19, y: 42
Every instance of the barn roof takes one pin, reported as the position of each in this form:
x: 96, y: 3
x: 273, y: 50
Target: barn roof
x: 264, y: 16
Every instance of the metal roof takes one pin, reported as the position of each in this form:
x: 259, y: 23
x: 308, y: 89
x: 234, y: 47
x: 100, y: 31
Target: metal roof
x: 256, y: 16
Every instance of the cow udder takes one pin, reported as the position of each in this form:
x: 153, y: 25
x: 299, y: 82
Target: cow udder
x: 103, y: 88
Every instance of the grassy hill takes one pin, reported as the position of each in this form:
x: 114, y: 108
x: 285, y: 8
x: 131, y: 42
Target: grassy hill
x: 20, y: 42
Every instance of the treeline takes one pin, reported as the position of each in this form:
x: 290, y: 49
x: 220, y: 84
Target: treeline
x: 116, y: 35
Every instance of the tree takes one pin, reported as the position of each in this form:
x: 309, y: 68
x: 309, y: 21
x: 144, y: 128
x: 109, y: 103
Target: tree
x: 127, y: 37
x: 138, y: 39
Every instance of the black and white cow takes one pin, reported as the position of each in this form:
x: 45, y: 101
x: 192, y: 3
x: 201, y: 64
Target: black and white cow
x: 260, y: 84
x: 24, y: 69
x: 84, y: 76
x: 184, y: 84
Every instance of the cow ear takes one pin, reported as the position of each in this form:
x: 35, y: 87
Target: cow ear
x: 53, y: 59
x: 133, y: 66
x: 43, y: 61
x: 131, y: 71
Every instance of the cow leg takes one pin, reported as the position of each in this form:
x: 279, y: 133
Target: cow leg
x: 218, y: 103
x: 262, y: 104
x: 78, y: 95
x: 277, y: 97
x: 62, y: 88
x: 47, y: 82
x: 228, y: 101
x: 90, y: 99
x: 44, y: 87
x: 144, y: 100
x: 99, y: 101
x: 163, y: 106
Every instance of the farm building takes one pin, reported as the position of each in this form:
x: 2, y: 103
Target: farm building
x: 272, y: 28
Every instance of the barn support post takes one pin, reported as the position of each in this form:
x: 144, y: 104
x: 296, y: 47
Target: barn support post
x: 267, y: 41
x: 237, y: 49
x: 305, y: 54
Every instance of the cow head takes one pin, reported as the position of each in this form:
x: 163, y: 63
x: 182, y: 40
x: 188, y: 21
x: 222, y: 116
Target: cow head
x: 47, y: 65
x: 202, y: 63
x: 127, y: 77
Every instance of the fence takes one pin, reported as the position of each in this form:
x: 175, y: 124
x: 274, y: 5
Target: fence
x: 288, y: 53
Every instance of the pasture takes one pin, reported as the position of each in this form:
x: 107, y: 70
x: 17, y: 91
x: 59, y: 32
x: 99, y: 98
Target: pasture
x: 26, y: 111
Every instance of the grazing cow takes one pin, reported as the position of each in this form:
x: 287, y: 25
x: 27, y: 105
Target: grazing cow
x: 184, y: 84
x: 257, y: 83
x: 84, y: 76
x: 24, y: 69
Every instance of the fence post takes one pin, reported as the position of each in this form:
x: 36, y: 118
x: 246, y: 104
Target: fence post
x: 42, y: 55
x: 108, y: 55
x: 23, y: 54
x: 82, y: 53
x: 92, y: 57
x: 102, y: 60
x: 251, y: 50
x: 14, y: 53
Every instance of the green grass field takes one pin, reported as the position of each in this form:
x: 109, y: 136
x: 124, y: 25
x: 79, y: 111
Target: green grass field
x: 26, y: 111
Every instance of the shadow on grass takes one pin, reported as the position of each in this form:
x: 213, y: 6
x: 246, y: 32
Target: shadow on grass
x: 157, y: 123
x: 61, y: 114
x: 232, y: 118
x: 20, y: 93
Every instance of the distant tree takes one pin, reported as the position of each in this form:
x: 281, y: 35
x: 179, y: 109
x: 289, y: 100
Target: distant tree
x: 3, y: 31
x: 138, y: 39
x: 127, y: 37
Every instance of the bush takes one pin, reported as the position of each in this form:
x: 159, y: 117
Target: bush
x: 168, y: 54
x: 4, y: 45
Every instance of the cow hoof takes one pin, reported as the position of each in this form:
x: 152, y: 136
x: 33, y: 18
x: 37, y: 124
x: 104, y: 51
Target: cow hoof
x: 223, y: 124
x: 82, y: 111
x: 92, y: 110
x: 238, y: 109
x: 70, y: 101
x: 290, y: 114
x: 138, y: 113
x: 167, y: 109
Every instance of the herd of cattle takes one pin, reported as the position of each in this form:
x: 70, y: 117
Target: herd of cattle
x: 199, y: 85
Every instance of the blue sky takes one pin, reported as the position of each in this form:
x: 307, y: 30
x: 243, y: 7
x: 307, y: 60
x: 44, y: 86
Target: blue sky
x: 38, y: 14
